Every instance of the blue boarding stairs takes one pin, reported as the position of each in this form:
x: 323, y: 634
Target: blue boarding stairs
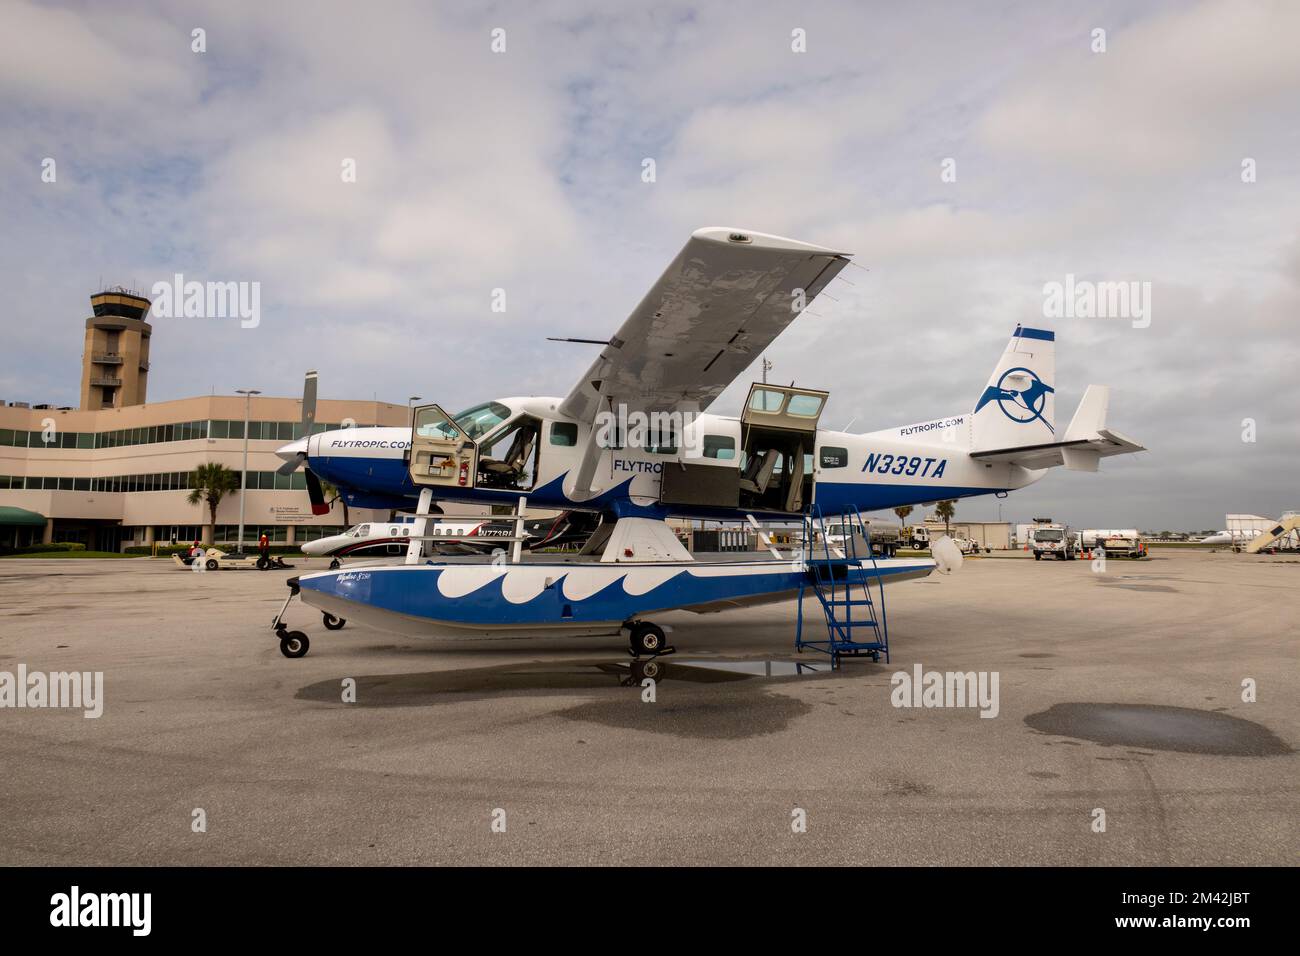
x: 841, y: 579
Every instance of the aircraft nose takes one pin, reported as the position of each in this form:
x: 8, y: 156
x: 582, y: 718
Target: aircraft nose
x: 291, y: 451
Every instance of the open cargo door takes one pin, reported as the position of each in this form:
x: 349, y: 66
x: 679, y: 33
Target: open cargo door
x: 778, y: 433
x: 784, y: 407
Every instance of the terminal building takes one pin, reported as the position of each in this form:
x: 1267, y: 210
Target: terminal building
x: 116, y: 471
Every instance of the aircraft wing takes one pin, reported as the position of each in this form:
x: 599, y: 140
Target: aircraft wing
x: 723, y: 300
x: 1085, y: 442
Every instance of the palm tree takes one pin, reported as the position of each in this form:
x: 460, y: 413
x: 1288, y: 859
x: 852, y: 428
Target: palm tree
x: 210, y: 482
x: 945, y: 510
x: 903, y: 511
x: 327, y: 490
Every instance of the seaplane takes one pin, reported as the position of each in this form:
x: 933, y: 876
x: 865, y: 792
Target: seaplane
x: 634, y: 443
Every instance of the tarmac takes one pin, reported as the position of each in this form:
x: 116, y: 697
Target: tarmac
x: 1121, y: 735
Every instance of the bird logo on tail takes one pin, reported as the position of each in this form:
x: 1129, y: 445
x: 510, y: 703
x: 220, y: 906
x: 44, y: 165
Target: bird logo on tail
x: 1022, y: 405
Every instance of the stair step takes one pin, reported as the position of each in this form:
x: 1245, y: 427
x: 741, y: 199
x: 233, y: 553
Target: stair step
x: 853, y: 602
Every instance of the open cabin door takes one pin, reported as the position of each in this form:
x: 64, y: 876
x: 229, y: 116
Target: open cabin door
x: 778, y: 431
x: 442, y: 454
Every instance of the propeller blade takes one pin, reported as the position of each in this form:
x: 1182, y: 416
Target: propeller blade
x: 308, y: 403
x: 308, y: 423
x: 292, y: 465
x: 314, y: 492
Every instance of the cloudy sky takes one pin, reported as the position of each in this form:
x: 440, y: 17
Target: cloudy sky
x: 522, y: 170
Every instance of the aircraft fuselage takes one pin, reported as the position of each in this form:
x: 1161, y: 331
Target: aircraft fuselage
x: 907, y: 465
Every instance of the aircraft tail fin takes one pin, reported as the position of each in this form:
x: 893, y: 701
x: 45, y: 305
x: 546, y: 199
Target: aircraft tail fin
x: 1018, y: 404
x: 1084, y: 443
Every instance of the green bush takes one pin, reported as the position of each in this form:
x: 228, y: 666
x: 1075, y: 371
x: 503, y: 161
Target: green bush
x: 45, y: 548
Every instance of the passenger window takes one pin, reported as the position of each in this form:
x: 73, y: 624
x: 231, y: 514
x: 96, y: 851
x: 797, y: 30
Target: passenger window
x: 805, y: 406
x: 392, y: 532
x: 564, y: 434
x: 766, y: 400
x: 722, y: 447
x: 834, y: 457
x: 662, y: 437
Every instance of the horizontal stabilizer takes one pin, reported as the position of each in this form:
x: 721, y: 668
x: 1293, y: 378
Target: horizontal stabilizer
x: 1085, y: 443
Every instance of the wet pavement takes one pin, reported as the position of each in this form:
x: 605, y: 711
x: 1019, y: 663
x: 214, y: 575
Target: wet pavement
x: 1123, y: 692
x: 1178, y: 729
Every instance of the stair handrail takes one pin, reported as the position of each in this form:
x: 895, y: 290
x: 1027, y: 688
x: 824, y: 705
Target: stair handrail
x: 883, y: 622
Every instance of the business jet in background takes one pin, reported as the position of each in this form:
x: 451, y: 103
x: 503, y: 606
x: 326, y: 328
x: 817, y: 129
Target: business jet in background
x: 390, y: 539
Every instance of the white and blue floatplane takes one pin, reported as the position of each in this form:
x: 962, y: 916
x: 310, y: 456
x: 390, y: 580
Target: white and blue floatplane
x: 633, y: 443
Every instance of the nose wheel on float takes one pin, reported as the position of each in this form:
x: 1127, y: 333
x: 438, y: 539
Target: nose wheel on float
x: 295, y: 644
x: 647, y: 640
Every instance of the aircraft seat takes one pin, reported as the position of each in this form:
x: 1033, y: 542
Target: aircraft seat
x: 759, y: 473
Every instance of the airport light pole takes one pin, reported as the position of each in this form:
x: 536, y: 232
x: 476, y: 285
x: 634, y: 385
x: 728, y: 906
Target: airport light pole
x: 410, y: 408
x: 248, y: 394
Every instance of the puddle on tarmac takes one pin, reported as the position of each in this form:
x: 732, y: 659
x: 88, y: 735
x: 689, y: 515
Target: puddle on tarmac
x: 1152, y: 727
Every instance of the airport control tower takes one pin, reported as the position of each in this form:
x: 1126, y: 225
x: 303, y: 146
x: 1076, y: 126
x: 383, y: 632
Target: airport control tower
x: 115, y: 364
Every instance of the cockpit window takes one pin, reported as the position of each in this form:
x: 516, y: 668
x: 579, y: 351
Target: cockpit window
x: 481, y: 419
x: 362, y: 531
